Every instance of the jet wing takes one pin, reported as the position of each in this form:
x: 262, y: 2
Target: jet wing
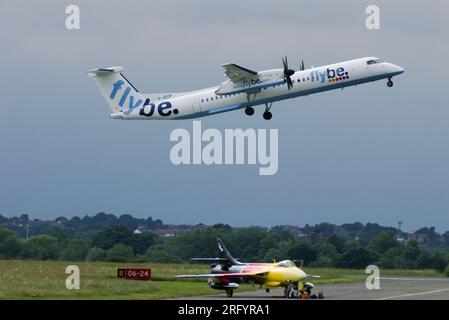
x: 250, y: 272
x: 237, y: 73
x: 210, y: 260
x: 222, y: 275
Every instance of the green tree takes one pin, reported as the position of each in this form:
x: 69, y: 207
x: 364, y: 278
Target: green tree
x: 10, y: 246
x: 158, y: 254
x: 338, y: 242
x: 327, y: 254
x: 141, y: 242
x: 411, y: 254
x: 95, y: 254
x: 42, y: 247
x: 120, y: 253
x: 303, y: 250
x: 106, y: 239
x: 75, y: 250
x: 439, y: 261
x: 356, y: 257
x: 424, y: 261
x: 384, y: 241
x: 392, y: 259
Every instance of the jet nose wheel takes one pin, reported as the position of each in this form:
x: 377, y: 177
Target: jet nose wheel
x: 267, y: 115
x: 249, y: 111
x: 390, y: 83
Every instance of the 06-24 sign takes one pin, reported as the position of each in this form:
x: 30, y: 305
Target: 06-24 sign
x: 134, y: 273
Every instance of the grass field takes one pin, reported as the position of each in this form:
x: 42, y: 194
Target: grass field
x: 46, y: 280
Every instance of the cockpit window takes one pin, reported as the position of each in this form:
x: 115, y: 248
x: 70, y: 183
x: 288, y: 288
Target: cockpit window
x: 286, y: 264
x: 373, y: 61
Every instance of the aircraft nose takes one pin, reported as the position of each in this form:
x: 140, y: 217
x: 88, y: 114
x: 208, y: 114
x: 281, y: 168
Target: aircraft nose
x: 400, y: 69
x: 397, y: 69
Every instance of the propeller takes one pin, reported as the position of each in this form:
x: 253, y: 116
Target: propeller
x: 302, y: 66
x: 287, y: 73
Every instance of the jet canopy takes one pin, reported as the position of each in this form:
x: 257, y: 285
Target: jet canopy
x: 286, y: 264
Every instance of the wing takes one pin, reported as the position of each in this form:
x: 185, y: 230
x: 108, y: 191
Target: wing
x: 237, y: 73
x: 222, y: 275
x: 210, y: 260
x: 253, y: 272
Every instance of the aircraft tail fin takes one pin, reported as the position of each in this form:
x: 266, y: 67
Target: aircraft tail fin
x: 110, y: 81
x: 225, y: 252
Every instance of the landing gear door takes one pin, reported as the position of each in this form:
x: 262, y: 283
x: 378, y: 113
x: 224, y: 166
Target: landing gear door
x: 196, y: 105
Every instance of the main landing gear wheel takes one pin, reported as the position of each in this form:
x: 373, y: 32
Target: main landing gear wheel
x: 229, y: 293
x: 267, y: 115
x: 249, y: 111
x: 390, y: 83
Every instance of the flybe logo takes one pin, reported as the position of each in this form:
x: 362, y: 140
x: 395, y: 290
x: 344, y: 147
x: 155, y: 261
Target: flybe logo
x: 329, y: 75
x: 147, y: 108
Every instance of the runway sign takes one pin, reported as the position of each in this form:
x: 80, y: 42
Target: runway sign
x: 134, y: 273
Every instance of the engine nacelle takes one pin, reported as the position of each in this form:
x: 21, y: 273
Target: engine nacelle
x: 222, y: 286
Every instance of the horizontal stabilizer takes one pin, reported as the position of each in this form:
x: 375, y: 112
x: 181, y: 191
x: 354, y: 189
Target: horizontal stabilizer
x: 102, y: 71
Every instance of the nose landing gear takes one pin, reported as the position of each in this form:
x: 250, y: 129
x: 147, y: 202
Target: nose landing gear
x: 390, y: 83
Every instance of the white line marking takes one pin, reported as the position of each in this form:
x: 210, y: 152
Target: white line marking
x: 414, y: 294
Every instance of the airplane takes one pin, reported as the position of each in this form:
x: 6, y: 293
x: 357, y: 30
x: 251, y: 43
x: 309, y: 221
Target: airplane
x: 243, y: 89
x: 227, y: 273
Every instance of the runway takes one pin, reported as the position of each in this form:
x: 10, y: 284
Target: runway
x: 391, y: 288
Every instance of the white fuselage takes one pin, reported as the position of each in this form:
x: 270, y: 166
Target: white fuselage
x: 207, y: 102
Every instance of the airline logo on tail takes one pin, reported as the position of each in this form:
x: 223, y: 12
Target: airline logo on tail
x: 147, y: 109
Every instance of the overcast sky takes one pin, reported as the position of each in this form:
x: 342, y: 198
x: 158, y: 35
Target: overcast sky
x: 368, y: 153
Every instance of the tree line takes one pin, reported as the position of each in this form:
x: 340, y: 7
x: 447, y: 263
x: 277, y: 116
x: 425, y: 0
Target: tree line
x: 120, y: 244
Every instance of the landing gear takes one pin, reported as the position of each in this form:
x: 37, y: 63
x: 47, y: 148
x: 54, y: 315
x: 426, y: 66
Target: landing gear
x: 267, y: 115
x: 390, y: 83
x: 249, y: 111
x: 267, y: 290
x: 294, y: 291
x: 229, y: 293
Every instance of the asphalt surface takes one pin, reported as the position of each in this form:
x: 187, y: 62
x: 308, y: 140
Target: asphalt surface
x: 391, y: 288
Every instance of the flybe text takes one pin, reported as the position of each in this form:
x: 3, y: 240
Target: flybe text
x: 329, y: 75
x: 146, y: 108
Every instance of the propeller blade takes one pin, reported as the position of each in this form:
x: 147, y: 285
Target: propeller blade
x: 302, y: 65
x: 289, y: 83
x: 287, y: 73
